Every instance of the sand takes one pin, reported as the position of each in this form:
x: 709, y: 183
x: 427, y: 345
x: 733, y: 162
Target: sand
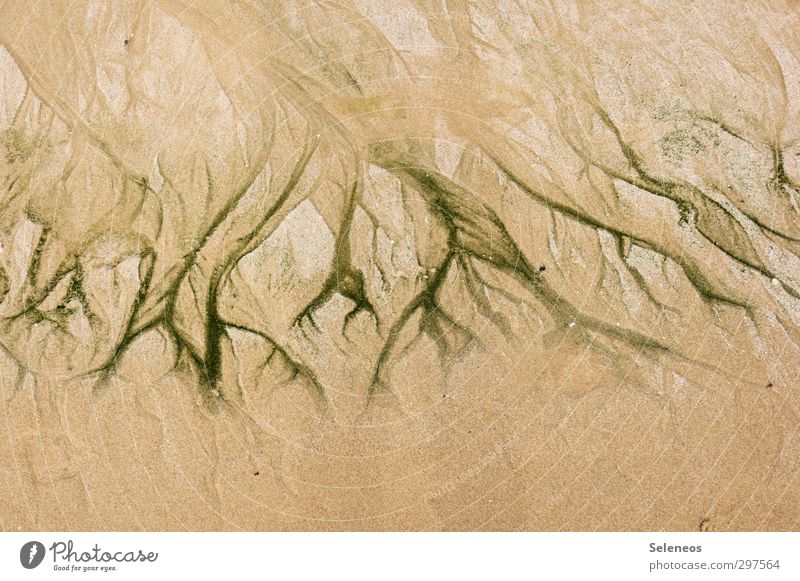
x: 408, y: 265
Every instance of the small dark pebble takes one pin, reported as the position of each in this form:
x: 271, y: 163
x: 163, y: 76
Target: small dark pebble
x: 256, y: 473
x: 126, y: 41
x: 769, y: 385
x: 541, y: 268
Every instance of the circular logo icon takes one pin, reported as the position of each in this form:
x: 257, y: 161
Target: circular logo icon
x: 31, y: 554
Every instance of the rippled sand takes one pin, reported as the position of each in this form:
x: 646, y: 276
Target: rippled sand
x: 406, y: 264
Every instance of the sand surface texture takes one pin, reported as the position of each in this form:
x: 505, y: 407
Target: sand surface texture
x: 399, y: 264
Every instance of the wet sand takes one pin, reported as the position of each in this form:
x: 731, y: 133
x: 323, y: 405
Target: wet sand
x: 412, y: 265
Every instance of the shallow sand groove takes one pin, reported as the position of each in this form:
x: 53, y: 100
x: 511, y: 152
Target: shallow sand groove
x: 399, y: 265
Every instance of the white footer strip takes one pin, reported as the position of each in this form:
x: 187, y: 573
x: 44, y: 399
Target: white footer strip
x: 387, y: 556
